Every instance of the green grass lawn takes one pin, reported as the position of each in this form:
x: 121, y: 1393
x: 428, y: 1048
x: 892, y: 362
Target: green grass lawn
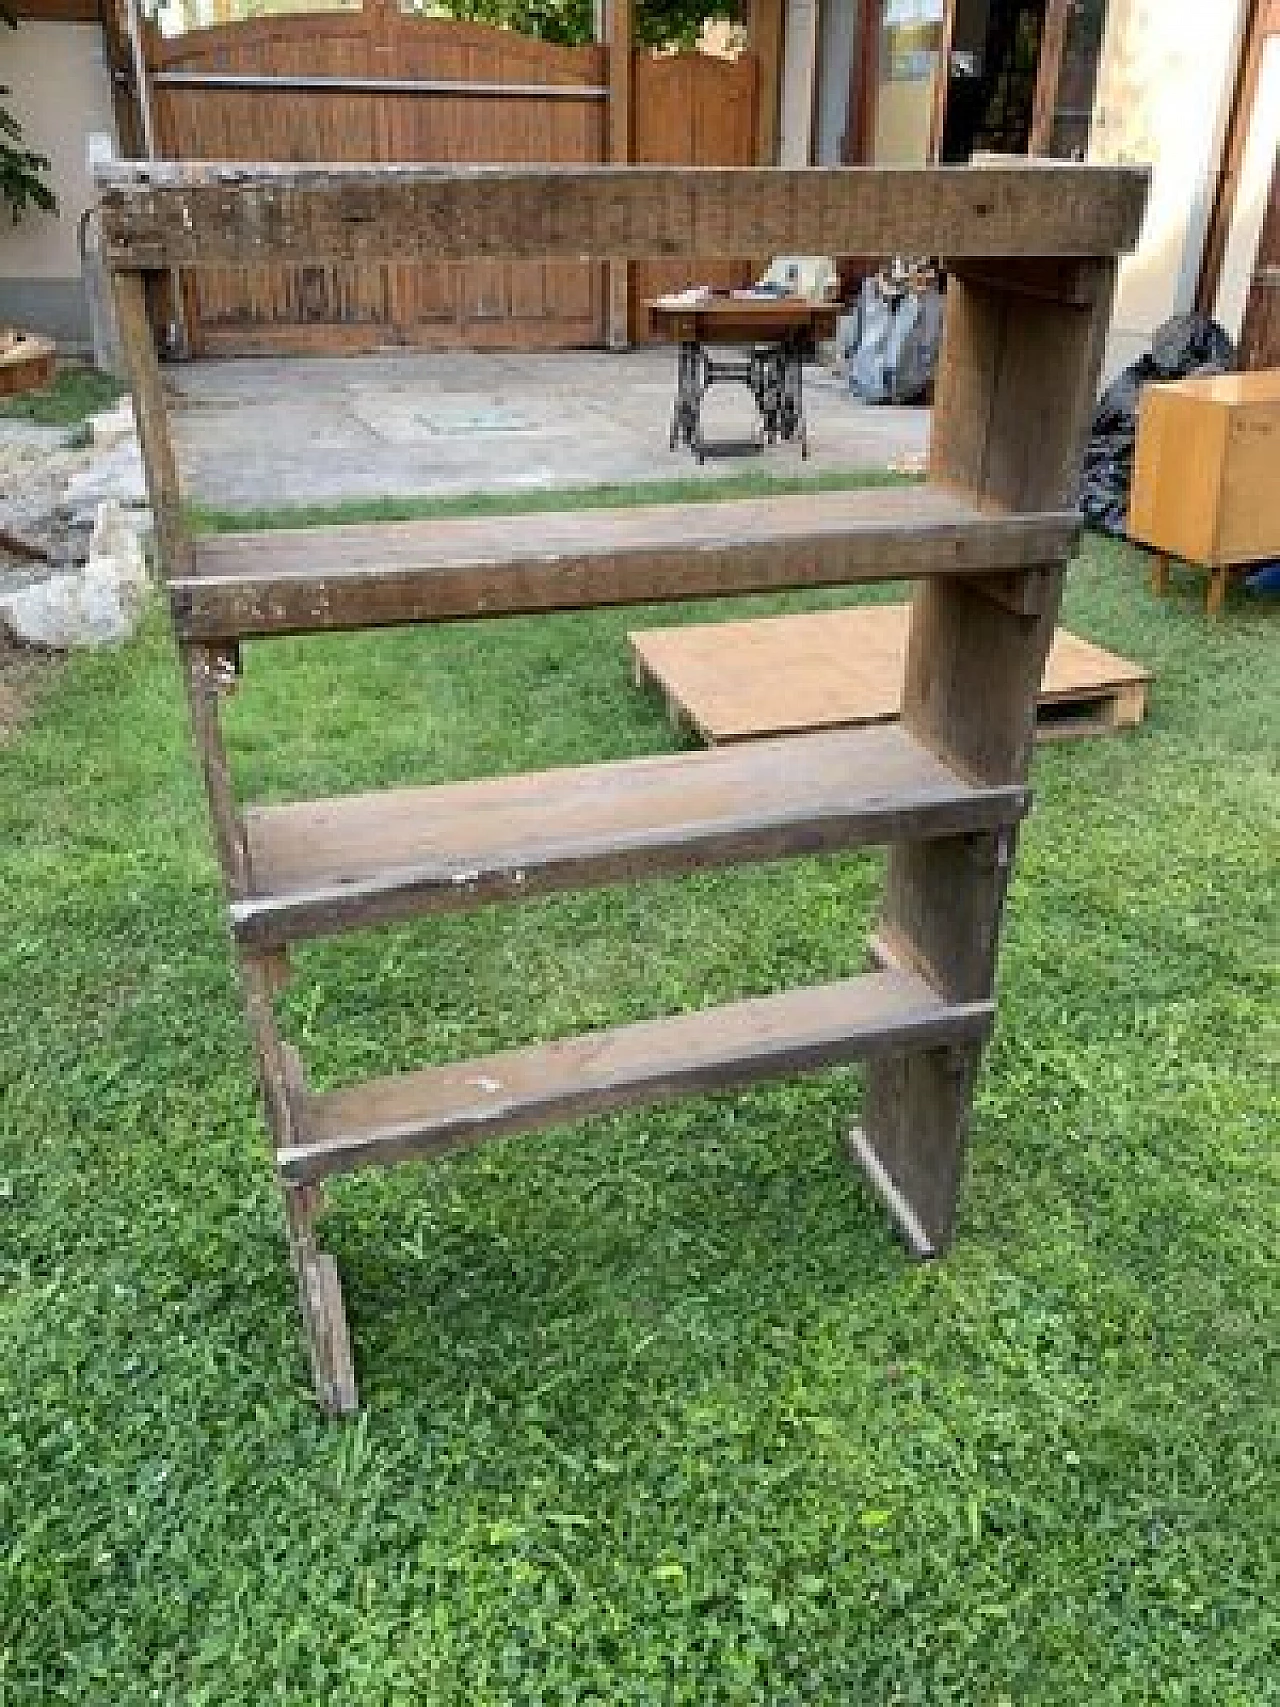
x: 76, y: 392
x: 657, y: 1410
x: 747, y: 483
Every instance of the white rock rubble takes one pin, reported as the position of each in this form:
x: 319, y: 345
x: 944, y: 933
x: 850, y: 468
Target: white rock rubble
x: 98, y: 604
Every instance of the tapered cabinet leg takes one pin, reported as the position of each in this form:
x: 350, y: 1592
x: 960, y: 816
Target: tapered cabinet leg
x: 1160, y: 573
x: 324, y: 1316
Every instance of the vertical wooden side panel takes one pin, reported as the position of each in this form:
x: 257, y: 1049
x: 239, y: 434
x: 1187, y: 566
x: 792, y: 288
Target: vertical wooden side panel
x: 137, y: 347
x: 1016, y: 388
x: 324, y: 1316
x: 1017, y: 380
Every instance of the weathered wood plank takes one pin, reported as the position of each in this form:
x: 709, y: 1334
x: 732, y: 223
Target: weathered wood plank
x: 160, y: 466
x: 1016, y: 383
x: 209, y: 215
x: 349, y: 862
x: 203, y: 677
x: 324, y: 1315
x: 359, y: 576
x: 916, y: 1134
x: 521, y: 1090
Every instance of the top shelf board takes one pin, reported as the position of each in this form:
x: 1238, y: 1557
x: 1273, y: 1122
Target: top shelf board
x: 208, y: 214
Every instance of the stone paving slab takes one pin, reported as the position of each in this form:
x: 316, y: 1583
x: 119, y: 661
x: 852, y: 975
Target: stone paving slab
x: 271, y: 431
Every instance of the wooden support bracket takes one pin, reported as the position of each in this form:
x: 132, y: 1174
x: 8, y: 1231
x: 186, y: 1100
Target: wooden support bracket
x: 1026, y: 592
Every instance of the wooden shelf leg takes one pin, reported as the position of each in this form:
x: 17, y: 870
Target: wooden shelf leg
x: 324, y: 1316
x: 1217, y: 592
x: 1017, y: 377
x: 941, y: 919
x: 1160, y: 574
x: 208, y: 673
x: 912, y: 1144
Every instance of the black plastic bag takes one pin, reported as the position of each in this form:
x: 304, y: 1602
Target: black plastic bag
x: 1187, y: 346
x: 899, y: 332
x: 1188, y: 342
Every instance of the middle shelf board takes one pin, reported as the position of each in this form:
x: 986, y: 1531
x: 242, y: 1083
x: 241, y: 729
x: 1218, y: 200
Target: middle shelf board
x: 323, y: 866
x: 295, y: 581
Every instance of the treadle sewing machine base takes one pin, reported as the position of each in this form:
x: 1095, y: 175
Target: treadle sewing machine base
x: 774, y: 333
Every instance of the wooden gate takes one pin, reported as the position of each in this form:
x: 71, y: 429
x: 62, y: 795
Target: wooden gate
x: 380, y: 85
x: 691, y: 110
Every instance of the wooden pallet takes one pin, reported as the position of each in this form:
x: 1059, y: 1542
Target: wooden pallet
x: 1031, y: 257
x: 779, y: 675
x: 28, y: 362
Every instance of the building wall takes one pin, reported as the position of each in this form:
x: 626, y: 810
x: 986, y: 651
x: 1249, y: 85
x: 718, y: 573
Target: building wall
x: 1163, y: 97
x: 61, y: 95
x: 838, y: 44
x: 799, y: 76
x: 1257, y: 168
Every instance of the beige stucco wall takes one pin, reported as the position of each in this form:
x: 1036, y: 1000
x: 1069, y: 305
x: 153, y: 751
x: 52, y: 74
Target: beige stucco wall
x: 1252, y: 191
x: 60, y: 95
x: 1163, y: 96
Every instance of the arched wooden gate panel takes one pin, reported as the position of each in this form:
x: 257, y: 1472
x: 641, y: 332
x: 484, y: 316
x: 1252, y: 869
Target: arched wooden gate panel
x: 381, y: 86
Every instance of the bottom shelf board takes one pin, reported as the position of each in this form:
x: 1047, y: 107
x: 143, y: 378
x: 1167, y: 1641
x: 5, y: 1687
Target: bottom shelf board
x: 739, y: 1043
x: 778, y: 675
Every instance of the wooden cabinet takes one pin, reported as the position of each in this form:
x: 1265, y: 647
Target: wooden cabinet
x: 1206, y: 477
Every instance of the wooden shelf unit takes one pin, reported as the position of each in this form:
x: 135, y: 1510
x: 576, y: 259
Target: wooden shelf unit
x: 1031, y: 251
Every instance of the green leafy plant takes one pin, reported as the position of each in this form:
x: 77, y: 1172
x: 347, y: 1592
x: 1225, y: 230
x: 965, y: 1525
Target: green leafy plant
x: 22, y: 169
x: 658, y: 23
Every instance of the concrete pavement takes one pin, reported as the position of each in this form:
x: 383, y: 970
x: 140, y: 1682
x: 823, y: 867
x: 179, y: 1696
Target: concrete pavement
x: 272, y: 431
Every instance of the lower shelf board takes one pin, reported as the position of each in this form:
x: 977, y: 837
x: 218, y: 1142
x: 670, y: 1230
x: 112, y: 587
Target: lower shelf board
x: 520, y: 1090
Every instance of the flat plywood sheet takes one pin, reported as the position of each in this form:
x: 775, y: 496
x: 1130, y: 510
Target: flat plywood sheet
x: 734, y: 681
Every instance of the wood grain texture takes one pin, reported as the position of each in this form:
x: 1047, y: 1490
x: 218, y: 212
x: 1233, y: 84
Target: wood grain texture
x: 725, y: 320
x: 521, y: 1090
x: 1206, y: 472
x: 138, y: 353
x: 331, y: 307
x: 917, y: 1119
x: 778, y: 675
x: 345, y: 863
x: 1017, y: 379
x: 1053, y: 42
x: 621, y: 142
x: 204, y: 682
x: 207, y: 215
x: 690, y: 109
x: 369, y: 576
x: 324, y: 1316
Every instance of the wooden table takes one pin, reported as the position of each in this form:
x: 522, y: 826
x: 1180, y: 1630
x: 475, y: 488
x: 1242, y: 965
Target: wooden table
x: 1206, y: 475
x: 777, y: 333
